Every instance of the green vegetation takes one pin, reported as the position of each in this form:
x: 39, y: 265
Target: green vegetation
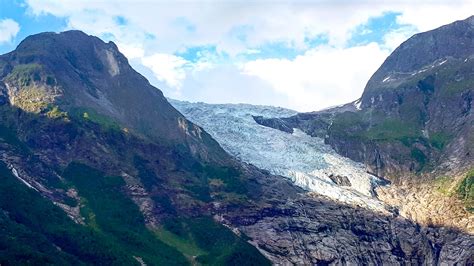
x: 54, y: 112
x: 200, y: 239
x: 229, y: 176
x: 8, y: 136
x: 145, y: 173
x: 33, y: 99
x: 380, y: 128
x: 32, y: 96
x: 452, y: 86
x: 34, y: 231
x: 375, y: 127
x: 427, y: 84
x: 115, y: 216
x: 230, y: 182
x: 465, y: 190
x: 199, y: 183
x: 347, y: 124
x: 25, y: 74
x: 185, y: 245
x: 393, y: 129
x: 419, y: 156
x: 109, y: 212
x: 210, y: 242
x: 90, y: 115
x: 443, y: 185
x: 439, y: 140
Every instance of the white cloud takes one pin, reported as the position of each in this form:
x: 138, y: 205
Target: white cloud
x: 227, y: 84
x: 394, y: 38
x: 322, y: 77
x: 428, y: 15
x: 8, y: 30
x: 131, y: 51
x: 189, y: 23
x: 167, y: 68
x: 332, y: 74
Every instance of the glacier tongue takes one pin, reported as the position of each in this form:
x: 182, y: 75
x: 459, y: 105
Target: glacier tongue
x: 306, y: 160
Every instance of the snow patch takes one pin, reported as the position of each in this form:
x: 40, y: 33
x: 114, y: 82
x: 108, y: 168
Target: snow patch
x: 442, y: 62
x: 357, y: 104
x: 15, y: 173
x: 420, y: 71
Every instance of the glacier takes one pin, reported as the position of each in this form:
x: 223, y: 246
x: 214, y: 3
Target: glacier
x: 305, y: 160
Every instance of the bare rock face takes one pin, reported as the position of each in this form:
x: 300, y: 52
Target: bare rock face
x: 340, y: 180
x: 306, y: 229
x: 428, y: 206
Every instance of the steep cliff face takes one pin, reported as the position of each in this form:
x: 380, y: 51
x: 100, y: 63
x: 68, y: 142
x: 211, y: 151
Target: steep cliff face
x: 413, y: 125
x: 97, y: 167
x: 423, y: 93
x: 415, y: 115
x: 80, y: 74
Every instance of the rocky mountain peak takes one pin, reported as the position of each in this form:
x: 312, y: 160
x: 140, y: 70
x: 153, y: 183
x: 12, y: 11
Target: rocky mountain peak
x: 422, y: 52
x: 81, y: 75
x: 79, y: 50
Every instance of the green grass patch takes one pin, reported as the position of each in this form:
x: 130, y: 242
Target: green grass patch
x: 109, y: 211
x: 212, y: 243
x: 465, y: 190
x: 203, y: 174
x: 229, y: 176
x: 185, y: 245
x: 439, y: 140
x: 90, y: 115
x: 25, y: 74
x: 55, y: 113
x: 393, y: 129
x: 347, y: 124
x: 455, y: 87
x: 374, y: 127
x: 443, y: 185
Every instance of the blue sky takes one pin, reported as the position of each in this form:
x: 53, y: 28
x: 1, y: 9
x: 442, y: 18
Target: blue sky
x: 304, y: 55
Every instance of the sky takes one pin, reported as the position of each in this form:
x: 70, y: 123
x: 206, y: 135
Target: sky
x: 304, y: 55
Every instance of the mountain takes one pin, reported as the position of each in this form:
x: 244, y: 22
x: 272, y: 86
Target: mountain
x: 96, y: 167
x: 413, y: 125
x: 82, y: 129
x: 78, y: 74
x: 310, y: 164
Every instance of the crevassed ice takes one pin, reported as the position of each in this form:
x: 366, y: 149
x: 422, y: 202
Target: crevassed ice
x: 306, y: 160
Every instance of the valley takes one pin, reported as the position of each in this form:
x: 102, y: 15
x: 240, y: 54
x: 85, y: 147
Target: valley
x: 98, y: 167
